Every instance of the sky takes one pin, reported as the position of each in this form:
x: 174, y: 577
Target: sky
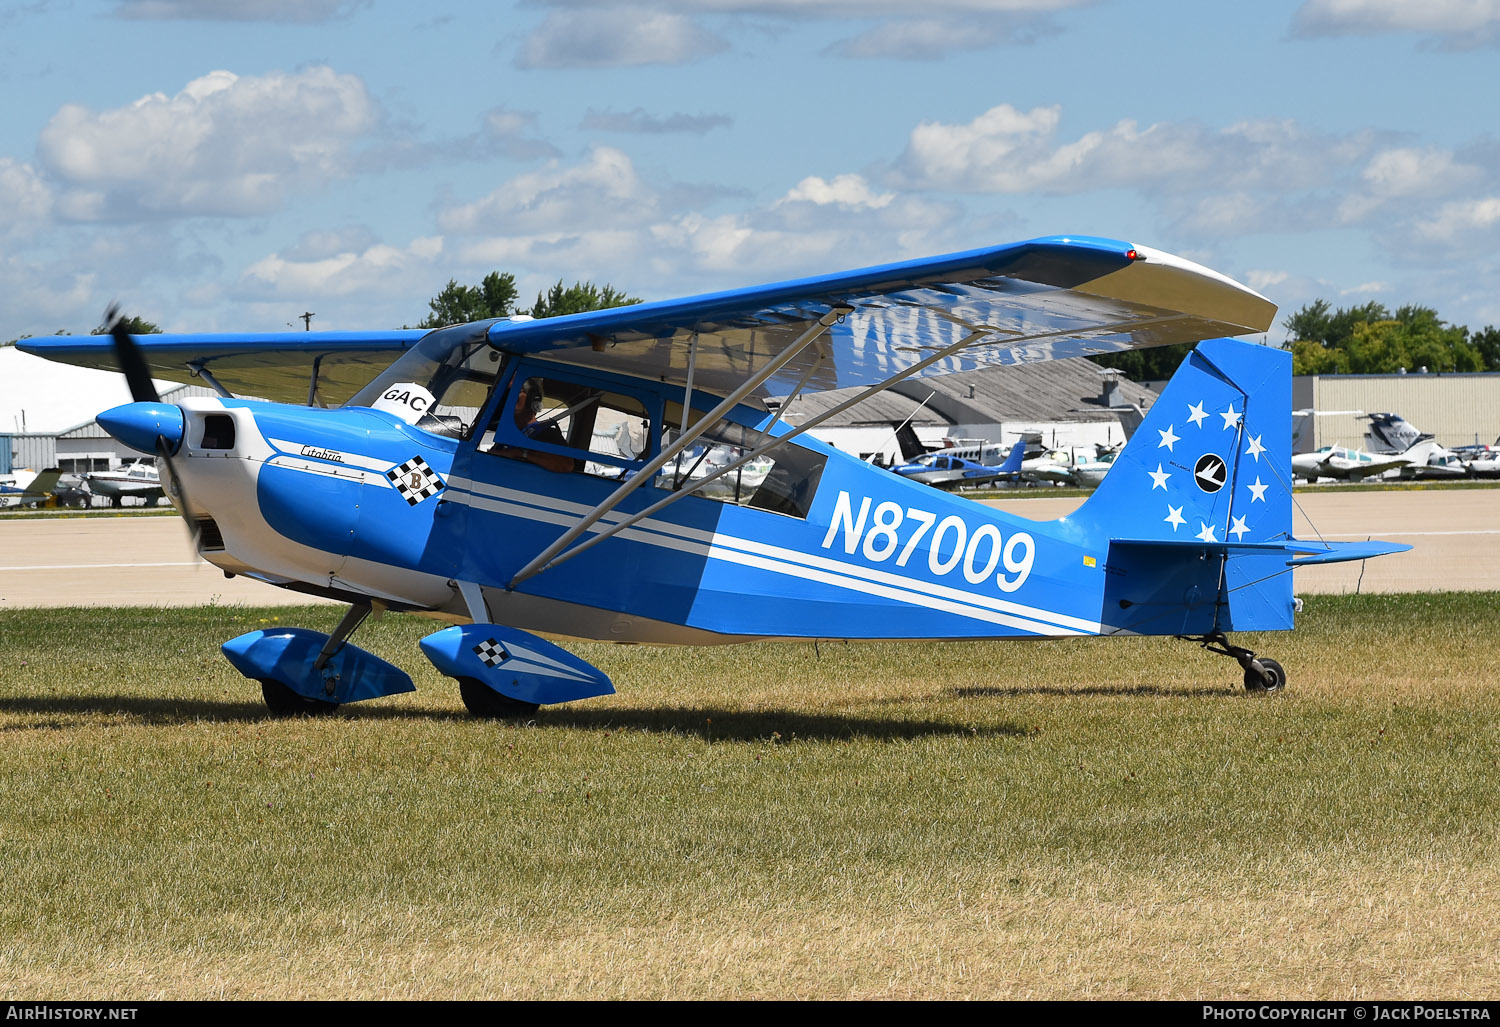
x: 222, y: 165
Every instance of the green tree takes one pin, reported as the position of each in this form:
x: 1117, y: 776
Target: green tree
x: 133, y: 325
x: 1486, y: 344
x: 1155, y: 363
x: 495, y: 296
x: 578, y: 297
x: 1370, y: 339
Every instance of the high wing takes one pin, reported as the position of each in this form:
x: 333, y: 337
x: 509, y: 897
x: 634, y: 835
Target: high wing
x: 1037, y: 300
x: 1378, y: 467
x: 272, y: 365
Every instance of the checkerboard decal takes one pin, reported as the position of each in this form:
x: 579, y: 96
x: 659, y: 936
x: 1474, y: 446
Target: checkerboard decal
x: 415, y: 481
x: 491, y: 653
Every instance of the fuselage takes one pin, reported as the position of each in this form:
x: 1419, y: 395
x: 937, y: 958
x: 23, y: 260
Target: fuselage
x: 140, y: 480
x: 434, y: 499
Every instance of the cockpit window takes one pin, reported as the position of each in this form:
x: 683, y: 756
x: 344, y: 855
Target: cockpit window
x: 439, y: 385
x: 782, y: 481
x: 603, y: 433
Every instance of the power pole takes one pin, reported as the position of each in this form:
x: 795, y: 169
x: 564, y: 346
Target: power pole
x: 307, y: 320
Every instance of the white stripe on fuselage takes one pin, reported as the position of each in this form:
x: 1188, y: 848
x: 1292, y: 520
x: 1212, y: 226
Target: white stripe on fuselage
x: 746, y: 552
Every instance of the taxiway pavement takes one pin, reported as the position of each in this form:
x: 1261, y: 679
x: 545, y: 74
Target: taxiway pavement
x: 134, y: 560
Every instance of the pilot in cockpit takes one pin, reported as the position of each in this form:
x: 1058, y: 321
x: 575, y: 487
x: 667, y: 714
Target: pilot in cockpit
x: 528, y: 406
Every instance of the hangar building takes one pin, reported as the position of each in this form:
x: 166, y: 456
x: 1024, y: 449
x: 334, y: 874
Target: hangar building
x: 1460, y: 409
x: 1068, y: 402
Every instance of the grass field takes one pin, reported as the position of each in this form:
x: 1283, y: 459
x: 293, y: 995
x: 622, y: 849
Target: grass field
x: 1098, y: 818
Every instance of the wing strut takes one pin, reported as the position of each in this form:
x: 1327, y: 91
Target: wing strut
x: 942, y: 354
x: 734, y: 465
x: 199, y: 370
x: 668, y: 453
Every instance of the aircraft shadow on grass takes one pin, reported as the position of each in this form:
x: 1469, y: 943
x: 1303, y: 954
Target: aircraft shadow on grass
x: 708, y: 723
x: 627, y: 475
x: 1085, y: 691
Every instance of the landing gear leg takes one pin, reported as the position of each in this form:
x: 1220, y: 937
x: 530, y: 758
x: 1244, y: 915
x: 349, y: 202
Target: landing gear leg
x: 353, y: 618
x: 1261, y: 674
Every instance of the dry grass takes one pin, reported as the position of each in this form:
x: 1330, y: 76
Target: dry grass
x: 1101, y: 819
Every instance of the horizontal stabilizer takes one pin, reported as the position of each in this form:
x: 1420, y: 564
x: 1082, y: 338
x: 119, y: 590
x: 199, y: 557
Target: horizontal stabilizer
x: 1299, y: 553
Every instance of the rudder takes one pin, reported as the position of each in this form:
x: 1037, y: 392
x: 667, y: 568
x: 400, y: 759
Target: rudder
x: 1211, y: 461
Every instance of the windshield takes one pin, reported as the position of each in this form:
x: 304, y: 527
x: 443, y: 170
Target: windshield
x: 439, y: 384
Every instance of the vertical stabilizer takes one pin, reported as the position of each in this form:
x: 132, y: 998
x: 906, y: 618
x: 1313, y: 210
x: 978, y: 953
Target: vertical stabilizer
x: 1392, y: 433
x: 1212, y: 458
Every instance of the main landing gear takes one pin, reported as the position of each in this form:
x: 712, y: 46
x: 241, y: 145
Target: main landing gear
x: 502, y: 672
x: 1261, y: 674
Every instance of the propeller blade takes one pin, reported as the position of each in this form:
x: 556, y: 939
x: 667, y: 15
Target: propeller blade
x: 164, y: 454
x: 143, y: 390
x: 128, y: 356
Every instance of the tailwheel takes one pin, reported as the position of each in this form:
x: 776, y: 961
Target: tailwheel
x: 1270, y: 678
x: 483, y: 701
x: 1261, y: 675
x: 283, y: 702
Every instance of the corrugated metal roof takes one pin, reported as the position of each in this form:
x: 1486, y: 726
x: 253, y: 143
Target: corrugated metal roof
x: 1053, y: 391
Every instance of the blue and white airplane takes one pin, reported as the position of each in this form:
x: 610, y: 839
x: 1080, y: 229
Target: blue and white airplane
x: 37, y: 490
x: 946, y: 469
x: 464, y: 480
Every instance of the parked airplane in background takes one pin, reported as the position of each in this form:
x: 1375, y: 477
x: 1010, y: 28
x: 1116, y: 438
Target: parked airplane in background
x: 1079, y: 466
x: 1482, y: 461
x: 140, y: 480
x: 1427, y: 459
x: 436, y: 488
x: 38, y: 487
x: 1343, y: 464
x: 960, y: 465
x: 1392, y: 433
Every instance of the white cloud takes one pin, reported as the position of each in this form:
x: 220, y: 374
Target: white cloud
x: 1461, y: 223
x: 1404, y: 174
x: 25, y: 200
x: 225, y: 145
x: 298, y: 11
x: 838, y: 8
x: 638, y: 121
x: 1006, y: 150
x: 319, y: 244
x: 614, y: 36
x: 930, y: 39
x: 603, y: 191
x: 844, y: 190
x: 1366, y: 289
x: 378, y: 268
x: 1459, y: 24
x: 600, y: 33
x: 41, y: 298
x: 598, y: 219
x: 1262, y: 281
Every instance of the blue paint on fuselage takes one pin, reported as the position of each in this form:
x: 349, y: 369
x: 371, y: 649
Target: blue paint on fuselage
x: 876, y: 557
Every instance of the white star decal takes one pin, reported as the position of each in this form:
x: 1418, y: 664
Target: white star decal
x: 1159, y: 477
x: 1167, y: 438
x: 1257, y: 491
x: 1231, y: 418
x: 1256, y: 449
x: 1239, y: 529
x: 1207, y: 534
x: 1196, y: 414
x: 1174, y: 517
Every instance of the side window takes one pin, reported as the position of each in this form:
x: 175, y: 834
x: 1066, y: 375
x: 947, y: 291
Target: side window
x: 566, y: 425
x: 783, y: 481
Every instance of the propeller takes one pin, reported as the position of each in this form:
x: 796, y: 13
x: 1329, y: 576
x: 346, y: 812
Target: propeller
x: 143, y: 391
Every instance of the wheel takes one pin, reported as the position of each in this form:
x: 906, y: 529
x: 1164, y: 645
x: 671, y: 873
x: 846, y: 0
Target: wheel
x: 1274, y: 679
x: 483, y: 701
x: 283, y: 702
